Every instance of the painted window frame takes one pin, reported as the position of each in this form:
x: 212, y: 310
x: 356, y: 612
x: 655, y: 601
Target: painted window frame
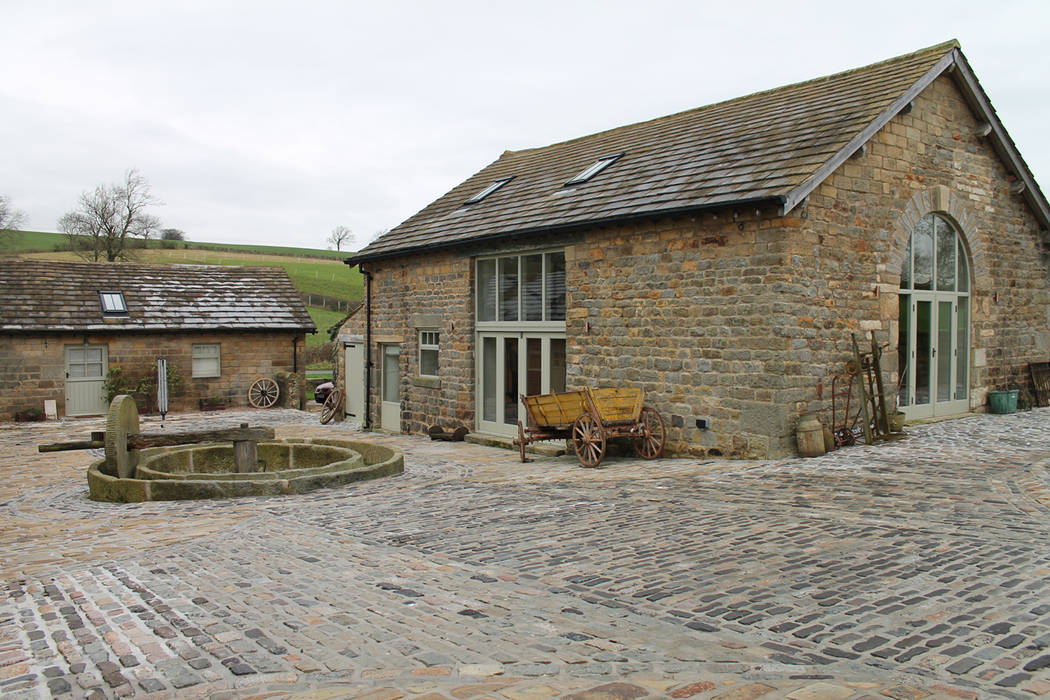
x: 200, y: 358
x: 493, y: 319
x: 429, y: 341
x: 112, y: 302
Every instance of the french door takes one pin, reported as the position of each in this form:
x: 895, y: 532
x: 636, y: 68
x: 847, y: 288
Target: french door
x: 934, y: 354
x: 511, y: 364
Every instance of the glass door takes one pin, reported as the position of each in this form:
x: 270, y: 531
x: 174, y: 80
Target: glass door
x: 390, y: 383
x: 512, y: 364
x: 933, y: 355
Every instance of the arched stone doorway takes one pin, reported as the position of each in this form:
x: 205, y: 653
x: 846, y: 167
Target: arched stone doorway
x: 934, y: 338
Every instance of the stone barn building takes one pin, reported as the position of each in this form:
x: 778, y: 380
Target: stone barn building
x: 720, y: 259
x: 64, y: 326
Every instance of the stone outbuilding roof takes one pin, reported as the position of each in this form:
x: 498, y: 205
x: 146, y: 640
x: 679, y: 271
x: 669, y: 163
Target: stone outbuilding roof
x: 772, y: 147
x: 44, y: 296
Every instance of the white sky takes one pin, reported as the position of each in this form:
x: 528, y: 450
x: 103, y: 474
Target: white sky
x: 274, y: 122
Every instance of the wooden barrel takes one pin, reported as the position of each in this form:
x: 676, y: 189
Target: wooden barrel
x: 810, y: 435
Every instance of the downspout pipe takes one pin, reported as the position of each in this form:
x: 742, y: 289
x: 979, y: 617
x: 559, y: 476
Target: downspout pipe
x: 366, y: 423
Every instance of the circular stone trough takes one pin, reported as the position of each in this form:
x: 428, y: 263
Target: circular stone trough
x: 207, y: 471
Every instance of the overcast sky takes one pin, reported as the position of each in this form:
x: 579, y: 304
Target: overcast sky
x: 273, y: 122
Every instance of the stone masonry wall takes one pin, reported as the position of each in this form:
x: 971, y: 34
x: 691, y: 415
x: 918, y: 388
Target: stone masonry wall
x: 434, y: 291
x: 854, y: 240
x: 743, y: 316
x: 32, y: 368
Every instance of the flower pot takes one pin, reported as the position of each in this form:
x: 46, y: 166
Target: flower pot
x: 896, y: 420
x: 1004, y: 401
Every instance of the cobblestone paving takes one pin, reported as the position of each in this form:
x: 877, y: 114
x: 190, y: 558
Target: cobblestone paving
x: 908, y: 570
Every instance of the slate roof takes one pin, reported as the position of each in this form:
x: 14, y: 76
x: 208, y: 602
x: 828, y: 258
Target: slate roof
x: 771, y: 147
x: 46, y: 296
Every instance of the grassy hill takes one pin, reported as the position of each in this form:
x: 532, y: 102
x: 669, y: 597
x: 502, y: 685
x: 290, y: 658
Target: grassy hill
x: 43, y: 242
x: 312, y: 271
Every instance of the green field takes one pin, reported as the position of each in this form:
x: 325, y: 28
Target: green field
x: 41, y: 242
x: 324, y: 319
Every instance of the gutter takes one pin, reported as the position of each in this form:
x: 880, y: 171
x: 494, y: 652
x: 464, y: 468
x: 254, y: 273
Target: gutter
x: 366, y: 422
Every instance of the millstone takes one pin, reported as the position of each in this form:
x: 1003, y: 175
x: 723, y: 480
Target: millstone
x: 121, y: 421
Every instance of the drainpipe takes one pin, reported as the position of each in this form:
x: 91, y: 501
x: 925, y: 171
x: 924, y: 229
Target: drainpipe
x: 366, y: 423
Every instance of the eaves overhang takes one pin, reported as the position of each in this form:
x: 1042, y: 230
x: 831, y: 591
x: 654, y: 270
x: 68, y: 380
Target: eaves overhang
x: 777, y: 201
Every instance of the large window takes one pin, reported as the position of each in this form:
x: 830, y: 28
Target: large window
x: 933, y: 343
x: 520, y: 335
x: 206, y: 360
x: 522, y: 288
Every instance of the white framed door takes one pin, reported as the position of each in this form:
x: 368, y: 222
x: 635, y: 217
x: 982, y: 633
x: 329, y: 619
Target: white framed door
x: 390, y: 381
x: 934, y: 354
x: 354, y: 380
x: 510, y: 364
x: 86, y: 367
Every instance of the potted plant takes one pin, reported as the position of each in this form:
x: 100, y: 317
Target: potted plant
x: 213, y: 403
x: 1002, y: 400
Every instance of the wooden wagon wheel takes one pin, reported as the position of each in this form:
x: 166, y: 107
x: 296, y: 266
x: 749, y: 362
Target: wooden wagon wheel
x: 588, y: 437
x: 331, y: 406
x: 263, y: 393
x: 649, y: 434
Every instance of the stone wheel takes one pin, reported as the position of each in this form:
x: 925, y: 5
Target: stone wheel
x: 263, y: 393
x: 649, y: 435
x: 121, y: 420
x: 588, y: 438
x: 331, y: 406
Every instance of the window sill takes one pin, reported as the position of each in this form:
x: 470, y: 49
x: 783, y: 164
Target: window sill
x: 428, y: 382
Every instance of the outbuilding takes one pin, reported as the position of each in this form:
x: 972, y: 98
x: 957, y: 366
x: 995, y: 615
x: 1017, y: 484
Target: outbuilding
x: 720, y: 258
x: 65, y: 327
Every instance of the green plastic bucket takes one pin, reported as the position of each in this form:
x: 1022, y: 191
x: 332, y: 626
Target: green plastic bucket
x: 1002, y: 401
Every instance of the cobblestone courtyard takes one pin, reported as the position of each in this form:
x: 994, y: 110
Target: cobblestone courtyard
x: 908, y: 570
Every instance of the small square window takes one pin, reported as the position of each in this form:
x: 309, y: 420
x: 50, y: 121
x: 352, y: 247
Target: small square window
x: 428, y: 353
x: 112, y: 303
x: 206, y: 360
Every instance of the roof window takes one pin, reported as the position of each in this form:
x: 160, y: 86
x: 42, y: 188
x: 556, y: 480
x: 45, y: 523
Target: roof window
x: 594, y: 168
x: 113, y: 303
x: 488, y: 190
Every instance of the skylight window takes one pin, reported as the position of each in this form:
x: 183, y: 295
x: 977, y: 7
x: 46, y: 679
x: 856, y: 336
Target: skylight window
x: 594, y: 168
x: 488, y: 190
x: 112, y: 302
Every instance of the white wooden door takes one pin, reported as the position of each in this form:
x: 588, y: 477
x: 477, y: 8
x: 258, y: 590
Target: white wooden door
x: 390, y: 405
x: 354, y: 374
x: 86, y: 367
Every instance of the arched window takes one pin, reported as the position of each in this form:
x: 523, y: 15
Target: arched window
x: 933, y: 344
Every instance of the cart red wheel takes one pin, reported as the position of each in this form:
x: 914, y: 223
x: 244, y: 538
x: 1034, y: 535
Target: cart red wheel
x: 331, y: 406
x: 521, y: 441
x: 588, y: 437
x: 649, y: 435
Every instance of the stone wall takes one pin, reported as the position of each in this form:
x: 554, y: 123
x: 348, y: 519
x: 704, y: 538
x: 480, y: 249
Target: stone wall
x: 32, y: 368
x: 743, y: 316
x: 431, y: 292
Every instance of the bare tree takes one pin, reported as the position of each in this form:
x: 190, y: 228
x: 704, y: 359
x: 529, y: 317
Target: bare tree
x: 341, y: 235
x: 10, y: 220
x: 172, y: 234
x: 110, y: 218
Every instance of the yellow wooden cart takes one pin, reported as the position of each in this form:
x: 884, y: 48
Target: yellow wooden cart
x: 589, y: 418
